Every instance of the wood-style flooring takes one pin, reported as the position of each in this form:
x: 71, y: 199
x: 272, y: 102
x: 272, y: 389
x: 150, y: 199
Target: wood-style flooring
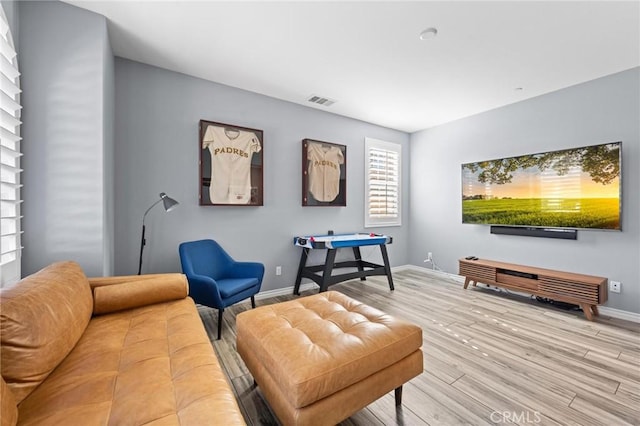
x: 490, y: 358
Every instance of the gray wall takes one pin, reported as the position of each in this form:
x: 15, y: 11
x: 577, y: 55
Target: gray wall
x: 157, y: 149
x: 67, y: 83
x: 85, y: 192
x: 602, y: 110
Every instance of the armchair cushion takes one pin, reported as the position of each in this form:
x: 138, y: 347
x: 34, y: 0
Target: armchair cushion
x: 231, y: 286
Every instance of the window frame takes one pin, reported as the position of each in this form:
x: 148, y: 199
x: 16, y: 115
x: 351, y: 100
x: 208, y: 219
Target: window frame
x: 379, y: 145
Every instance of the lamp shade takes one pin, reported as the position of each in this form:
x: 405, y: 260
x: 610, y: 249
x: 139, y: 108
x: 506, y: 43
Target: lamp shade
x: 168, y: 202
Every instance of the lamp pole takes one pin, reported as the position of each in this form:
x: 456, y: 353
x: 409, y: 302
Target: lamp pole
x: 169, y: 204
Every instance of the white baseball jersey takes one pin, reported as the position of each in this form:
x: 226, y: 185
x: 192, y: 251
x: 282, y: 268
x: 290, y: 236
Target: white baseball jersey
x: 231, y: 151
x: 324, y: 171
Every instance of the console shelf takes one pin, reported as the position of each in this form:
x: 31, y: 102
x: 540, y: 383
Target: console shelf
x: 584, y: 290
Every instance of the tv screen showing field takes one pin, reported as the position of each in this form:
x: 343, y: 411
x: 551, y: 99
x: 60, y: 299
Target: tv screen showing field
x: 572, y: 188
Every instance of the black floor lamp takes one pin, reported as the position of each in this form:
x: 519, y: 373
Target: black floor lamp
x: 168, y: 203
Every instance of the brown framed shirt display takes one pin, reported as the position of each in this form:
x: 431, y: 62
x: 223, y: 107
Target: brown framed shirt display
x: 324, y: 173
x: 231, y: 165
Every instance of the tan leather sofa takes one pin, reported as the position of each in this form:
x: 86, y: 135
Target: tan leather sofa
x: 108, y: 351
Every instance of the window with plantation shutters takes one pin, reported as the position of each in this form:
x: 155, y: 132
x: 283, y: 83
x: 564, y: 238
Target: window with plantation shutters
x: 9, y: 157
x: 383, y: 189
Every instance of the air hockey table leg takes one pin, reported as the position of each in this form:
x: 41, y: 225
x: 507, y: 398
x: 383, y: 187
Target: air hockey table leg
x: 358, y: 256
x: 387, y: 267
x: 303, y: 262
x: 328, y: 269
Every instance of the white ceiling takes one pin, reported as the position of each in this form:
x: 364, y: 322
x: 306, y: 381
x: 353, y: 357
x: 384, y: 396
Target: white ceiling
x: 367, y: 56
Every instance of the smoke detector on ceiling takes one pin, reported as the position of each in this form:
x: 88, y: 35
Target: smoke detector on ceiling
x: 321, y: 101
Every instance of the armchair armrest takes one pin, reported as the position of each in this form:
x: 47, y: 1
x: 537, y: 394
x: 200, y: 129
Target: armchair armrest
x: 117, y: 294
x: 247, y: 270
x: 204, y: 291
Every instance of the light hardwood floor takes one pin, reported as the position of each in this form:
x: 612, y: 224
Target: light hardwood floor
x: 489, y: 358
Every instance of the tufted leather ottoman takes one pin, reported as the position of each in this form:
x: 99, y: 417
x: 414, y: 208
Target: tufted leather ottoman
x: 321, y: 358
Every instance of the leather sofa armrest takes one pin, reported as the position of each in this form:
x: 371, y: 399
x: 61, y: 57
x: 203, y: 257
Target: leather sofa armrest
x: 117, y: 295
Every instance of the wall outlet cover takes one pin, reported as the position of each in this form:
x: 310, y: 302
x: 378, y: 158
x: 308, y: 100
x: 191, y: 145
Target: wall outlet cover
x: 615, y: 286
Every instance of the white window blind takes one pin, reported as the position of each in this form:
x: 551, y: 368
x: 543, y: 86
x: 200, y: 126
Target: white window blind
x: 10, y: 199
x: 382, y: 177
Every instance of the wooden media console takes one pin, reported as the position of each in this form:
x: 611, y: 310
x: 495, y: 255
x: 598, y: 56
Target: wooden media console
x: 584, y: 290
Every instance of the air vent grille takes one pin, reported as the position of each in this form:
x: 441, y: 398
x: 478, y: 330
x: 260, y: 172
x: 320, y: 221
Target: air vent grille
x: 321, y: 101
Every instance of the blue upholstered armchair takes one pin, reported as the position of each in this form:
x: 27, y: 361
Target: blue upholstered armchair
x: 215, y: 279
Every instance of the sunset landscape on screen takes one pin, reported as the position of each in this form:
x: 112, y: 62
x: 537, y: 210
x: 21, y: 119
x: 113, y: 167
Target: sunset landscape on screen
x: 573, y: 188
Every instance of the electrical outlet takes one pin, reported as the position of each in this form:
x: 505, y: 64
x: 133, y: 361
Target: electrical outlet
x: 615, y: 286
x: 278, y: 270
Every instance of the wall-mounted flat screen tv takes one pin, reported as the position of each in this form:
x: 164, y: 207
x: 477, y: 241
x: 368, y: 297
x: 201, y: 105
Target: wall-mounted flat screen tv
x: 572, y: 188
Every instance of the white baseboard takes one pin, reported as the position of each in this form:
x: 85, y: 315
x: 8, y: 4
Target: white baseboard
x: 309, y: 286
x: 284, y: 291
x: 440, y: 274
x: 604, y: 310
x: 612, y: 312
x: 619, y: 314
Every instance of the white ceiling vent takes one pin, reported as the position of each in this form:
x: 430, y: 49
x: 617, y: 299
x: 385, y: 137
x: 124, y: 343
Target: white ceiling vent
x: 321, y: 101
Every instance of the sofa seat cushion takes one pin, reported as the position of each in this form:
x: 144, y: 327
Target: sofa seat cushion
x: 232, y: 286
x: 152, y: 364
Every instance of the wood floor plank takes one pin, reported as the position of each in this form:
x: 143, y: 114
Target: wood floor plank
x: 252, y: 403
x: 386, y: 411
x: 613, y: 354
x: 623, y: 371
x: 487, y: 363
x: 487, y: 355
x: 362, y: 417
x: 460, y: 409
x: 630, y: 392
x: 632, y: 358
x: 606, y: 415
x: 502, y: 404
x: 551, y: 367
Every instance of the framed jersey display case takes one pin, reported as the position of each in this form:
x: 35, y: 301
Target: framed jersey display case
x: 324, y: 173
x: 230, y: 165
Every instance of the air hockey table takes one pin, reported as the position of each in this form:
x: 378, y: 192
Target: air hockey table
x: 332, y: 243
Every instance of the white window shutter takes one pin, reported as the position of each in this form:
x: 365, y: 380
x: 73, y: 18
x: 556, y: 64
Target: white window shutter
x: 383, y: 183
x: 10, y: 153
